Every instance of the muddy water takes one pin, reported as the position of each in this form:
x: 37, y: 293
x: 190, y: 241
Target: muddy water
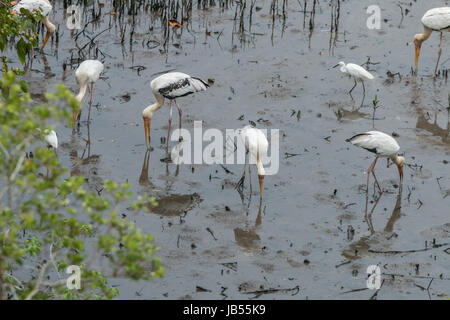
x: 314, y: 235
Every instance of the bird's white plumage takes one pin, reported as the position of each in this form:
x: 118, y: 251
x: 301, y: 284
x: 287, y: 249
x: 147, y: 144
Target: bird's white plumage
x: 256, y: 143
x: 355, y: 71
x: 437, y: 19
x: 378, y: 142
x: 176, y: 84
x: 51, y: 138
x: 89, y: 71
x: 32, y: 5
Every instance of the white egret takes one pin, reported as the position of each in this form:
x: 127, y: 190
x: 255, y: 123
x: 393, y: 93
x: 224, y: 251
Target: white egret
x: 383, y: 145
x: 171, y: 85
x: 356, y: 72
x: 44, y: 7
x: 86, y: 74
x: 257, y: 145
x: 437, y: 19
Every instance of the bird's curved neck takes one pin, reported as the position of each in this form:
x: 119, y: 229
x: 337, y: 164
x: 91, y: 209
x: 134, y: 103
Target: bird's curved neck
x: 82, y: 92
x: 50, y: 26
x: 426, y: 34
x: 151, y: 109
x: 396, y: 159
x: 260, y: 167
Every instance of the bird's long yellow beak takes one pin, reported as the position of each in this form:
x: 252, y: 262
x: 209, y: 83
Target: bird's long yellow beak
x: 261, y: 182
x: 75, y: 115
x: 400, y: 172
x: 47, y: 36
x: 418, y: 47
x: 147, y: 126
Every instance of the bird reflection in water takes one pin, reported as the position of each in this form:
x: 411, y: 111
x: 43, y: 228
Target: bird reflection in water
x: 85, y: 164
x: 423, y: 117
x: 169, y: 205
x: 248, y: 238
x: 361, y: 247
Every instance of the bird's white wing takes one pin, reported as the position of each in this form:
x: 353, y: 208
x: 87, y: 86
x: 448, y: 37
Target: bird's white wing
x: 176, y: 84
x: 90, y: 69
x: 437, y: 18
x: 32, y: 5
x: 255, y: 141
x: 376, y: 142
x: 358, y: 71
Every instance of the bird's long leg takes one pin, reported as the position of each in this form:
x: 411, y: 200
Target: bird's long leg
x: 91, y: 92
x: 369, y: 170
x: 439, y: 56
x: 350, y: 92
x: 376, y: 180
x: 180, y: 113
x: 240, y: 183
x: 250, y: 178
x: 364, y: 95
x: 170, y: 122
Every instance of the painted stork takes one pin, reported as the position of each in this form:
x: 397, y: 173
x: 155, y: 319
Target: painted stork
x: 437, y: 19
x: 170, y: 85
x: 383, y: 145
x: 86, y: 74
x: 257, y: 145
x: 44, y: 7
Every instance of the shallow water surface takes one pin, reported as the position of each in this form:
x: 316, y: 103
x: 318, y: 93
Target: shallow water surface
x: 313, y: 235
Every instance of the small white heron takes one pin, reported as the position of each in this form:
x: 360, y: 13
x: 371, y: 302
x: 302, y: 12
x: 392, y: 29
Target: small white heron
x: 356, y: 72
x: 170, y: 85
x: 383, y: 145
x: 44, y: 7
x: 437, y: 19
x: 257, y: 145
x: 86, y: 74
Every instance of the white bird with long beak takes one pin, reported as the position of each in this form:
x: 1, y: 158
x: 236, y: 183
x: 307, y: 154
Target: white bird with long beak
x: 42, y: 6
x: 383, y: 145
x: 357, y: 72
x: 86, y: 74
x: 256, y: 144
x: 170, y: 85
x: 437, y: 19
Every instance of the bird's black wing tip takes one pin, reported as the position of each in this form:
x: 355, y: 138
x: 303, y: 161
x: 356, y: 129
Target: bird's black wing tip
x: 202, y: 81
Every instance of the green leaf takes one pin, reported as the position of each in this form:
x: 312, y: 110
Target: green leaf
x: 22, y: 49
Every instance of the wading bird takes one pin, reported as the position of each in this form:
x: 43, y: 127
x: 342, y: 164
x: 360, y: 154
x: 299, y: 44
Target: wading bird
x: 44, y: 7
x: 256, y: 143
x: 437, y: 19
x: 51, y: 138
x: 170, y: 85
x: 87, y: 73
x: 356, y: 72
x: 383, y: 145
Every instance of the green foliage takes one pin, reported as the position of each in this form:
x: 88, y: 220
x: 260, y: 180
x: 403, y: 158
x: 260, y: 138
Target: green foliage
x: 49, y: 220
x: 19, y: 27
